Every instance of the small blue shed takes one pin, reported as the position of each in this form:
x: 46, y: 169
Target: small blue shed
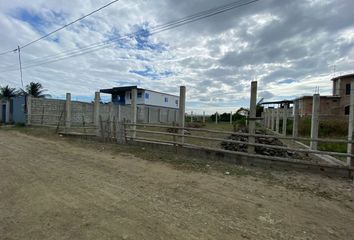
x: 13, y: 110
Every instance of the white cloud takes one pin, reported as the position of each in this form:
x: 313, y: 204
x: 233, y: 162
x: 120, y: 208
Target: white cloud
x: 216, y: 58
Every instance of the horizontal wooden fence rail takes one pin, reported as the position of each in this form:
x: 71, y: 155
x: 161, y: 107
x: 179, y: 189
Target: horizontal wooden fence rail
x: 243, y: 142
x: 44, y: 125
x: 270, y: 158
x: 51, y: 115
x: 179, y: 136
x: 325, y: 140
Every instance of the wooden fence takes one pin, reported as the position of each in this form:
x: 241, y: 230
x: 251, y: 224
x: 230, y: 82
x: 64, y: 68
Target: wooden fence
x: 197, y: 138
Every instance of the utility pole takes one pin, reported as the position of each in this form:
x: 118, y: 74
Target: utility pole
x: 19, y: 60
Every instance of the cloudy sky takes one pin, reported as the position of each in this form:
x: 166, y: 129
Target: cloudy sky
x: 290, y: 47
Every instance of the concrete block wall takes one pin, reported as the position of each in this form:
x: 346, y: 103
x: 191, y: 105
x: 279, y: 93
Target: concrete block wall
x: 125, y: 113
x: 156, y: 115
x: 47, y: 111
x: 80, y: 112
x: 104, y: 112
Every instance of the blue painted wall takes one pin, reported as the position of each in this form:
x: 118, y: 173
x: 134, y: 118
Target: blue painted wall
x: 18, y: 109
x: 3, y: 112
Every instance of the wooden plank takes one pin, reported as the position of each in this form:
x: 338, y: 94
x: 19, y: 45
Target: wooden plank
x: 77, y: 134
x: 286, y: 160
x: 247, y: 143
x: 246, y: 134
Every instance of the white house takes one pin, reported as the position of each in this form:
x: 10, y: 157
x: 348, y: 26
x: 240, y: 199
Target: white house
x: 122, y: 96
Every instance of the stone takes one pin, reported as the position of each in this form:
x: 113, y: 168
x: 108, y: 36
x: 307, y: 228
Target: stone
x: 267, y: 151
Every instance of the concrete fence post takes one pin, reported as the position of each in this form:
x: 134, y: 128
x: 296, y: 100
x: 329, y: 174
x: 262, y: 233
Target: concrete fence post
x: 252, y: 116
x: 315, y: 121
x: 191, y: 116
x: 119, y: 114
x: 350, y: 146
x: 111, y: 109
x: 203, y: 116
x: 68, y: 111
x: 277, y: 120
x: 216, y: 118
x: 247, y: 116
x: 159, y: 115
x: 296, y: 119
x: 1, y: 106
x: 148, y: 115
x: 7, y: 111
x: 168, y: 115
x: 134, y: 111
x: 273, y: 119
x: 265, y: 115
x: 182, y: 110
x: 29, y: 109
x: 231, y: 117
x: 269, y: 118
x: 96, y: 113
x: 285, y: 119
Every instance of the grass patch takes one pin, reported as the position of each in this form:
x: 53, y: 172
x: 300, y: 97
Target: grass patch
x: 326, y: 128
x: 223, y: 126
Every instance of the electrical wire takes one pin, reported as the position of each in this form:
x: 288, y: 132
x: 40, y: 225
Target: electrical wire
x: 156, y: 27
x: 66, y: 25
x: 154, y: 30
x: 180, y: 21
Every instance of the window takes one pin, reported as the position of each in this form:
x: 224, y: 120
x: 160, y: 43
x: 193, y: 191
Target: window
x: 147, y: 96
x: 176, y: 102
x: 140, y: 94
x: 346, y: 110
x: 347, y: 89
x: 166, y: 99
x: 130, y: 95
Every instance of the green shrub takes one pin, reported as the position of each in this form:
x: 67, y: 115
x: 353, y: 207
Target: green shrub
x: 326, y: 128
x: 305, y: 126
x: 20, y: 125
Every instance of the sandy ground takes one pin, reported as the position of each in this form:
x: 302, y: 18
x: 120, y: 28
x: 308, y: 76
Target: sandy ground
x: 57, y: 190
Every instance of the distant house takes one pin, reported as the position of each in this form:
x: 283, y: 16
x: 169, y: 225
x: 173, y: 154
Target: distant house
x: 123, y: 95
x: 336, y: 105
x: 13, y: 110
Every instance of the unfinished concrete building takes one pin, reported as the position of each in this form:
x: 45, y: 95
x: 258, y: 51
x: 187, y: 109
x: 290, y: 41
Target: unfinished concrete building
x: 333, y: 106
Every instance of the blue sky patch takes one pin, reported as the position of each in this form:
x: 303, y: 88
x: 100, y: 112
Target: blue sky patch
x: 151, y: 73
x: 142, y: 37
x: 120, y: 42
x: 286, y: 81
x: 38, y: 21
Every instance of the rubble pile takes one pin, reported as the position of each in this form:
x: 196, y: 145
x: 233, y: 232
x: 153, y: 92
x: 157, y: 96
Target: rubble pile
x: 268, y: 151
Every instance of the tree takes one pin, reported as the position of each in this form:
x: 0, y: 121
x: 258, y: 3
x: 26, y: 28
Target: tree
x: 7, y: 92
x: 35, y: 90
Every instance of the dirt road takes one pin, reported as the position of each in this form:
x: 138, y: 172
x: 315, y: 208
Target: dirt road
x: 56, y: 190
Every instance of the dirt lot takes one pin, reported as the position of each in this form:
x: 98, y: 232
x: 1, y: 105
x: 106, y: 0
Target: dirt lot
x: 51, y: 188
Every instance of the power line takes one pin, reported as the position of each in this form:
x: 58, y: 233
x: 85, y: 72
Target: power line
x: 66, y: 25
x: 10, y: 51
x: 180, y: 21
x: 154, y: 30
